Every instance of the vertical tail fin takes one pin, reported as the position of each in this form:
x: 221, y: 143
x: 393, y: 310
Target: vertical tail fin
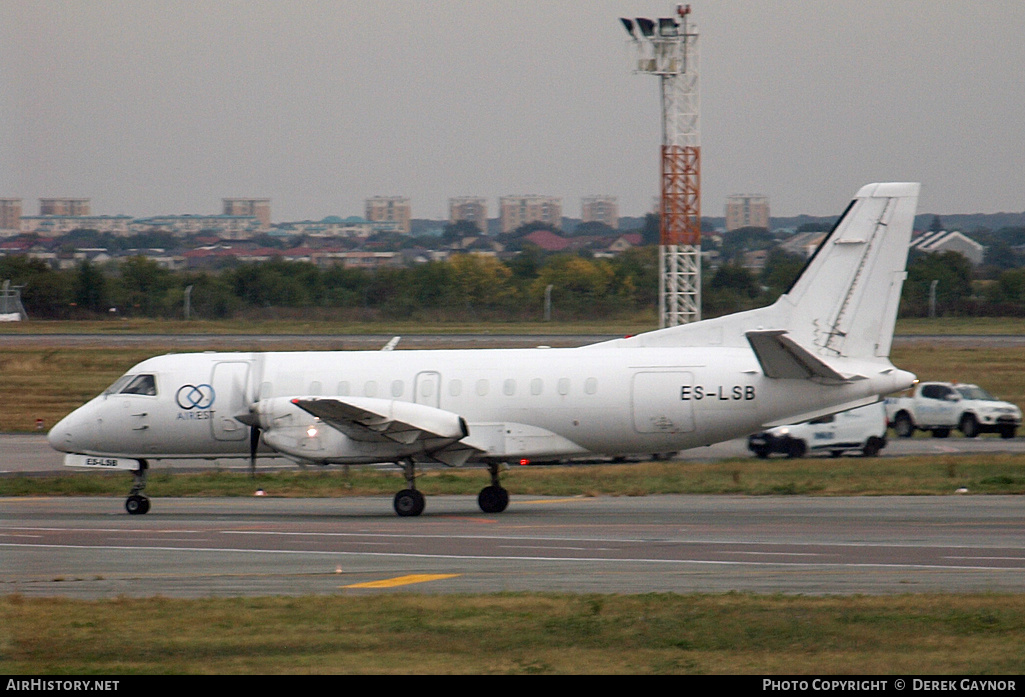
x: 845, y: 301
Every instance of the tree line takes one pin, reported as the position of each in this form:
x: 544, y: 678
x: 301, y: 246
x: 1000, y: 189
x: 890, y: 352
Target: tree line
x: 465, y: 287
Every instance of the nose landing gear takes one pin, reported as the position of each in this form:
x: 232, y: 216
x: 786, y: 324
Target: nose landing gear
x: 136, y: 503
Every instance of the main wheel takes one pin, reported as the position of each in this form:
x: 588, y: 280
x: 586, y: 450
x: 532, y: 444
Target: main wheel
x: 969, y: 426
x: 409, y: 502
x: 137, y: 505
x: 493, y: 499
x: 1007, y: 431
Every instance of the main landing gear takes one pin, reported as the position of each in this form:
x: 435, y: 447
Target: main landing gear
x: 410, y: 502
x: 136, y: 503
x: 493, y: 499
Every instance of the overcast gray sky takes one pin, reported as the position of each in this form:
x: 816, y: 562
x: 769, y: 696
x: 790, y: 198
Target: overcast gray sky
x: 158, y: 107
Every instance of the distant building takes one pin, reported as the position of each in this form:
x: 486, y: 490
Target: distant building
x: 943, y: 241
x: 391, y: 209
x: 472, y: 209
x: 333, y: 226
x: 52, y: 225
x: 600, y: 209
x: 259, y: 208
x: 64, y: 206
x: 520, y: 210
x: 229, y: 227
x: 10, y: 216
x: 747, y: 210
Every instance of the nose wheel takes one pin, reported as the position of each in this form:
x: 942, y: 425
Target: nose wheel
x: 136, y: 503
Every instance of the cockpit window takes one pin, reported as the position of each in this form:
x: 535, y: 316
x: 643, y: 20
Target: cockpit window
x: 119, y: 384
x: 141, y: 384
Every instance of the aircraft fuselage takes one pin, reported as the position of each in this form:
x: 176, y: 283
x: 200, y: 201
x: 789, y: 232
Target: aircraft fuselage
x: 520, y: 403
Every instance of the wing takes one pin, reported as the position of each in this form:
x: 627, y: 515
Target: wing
x: 380, y: 420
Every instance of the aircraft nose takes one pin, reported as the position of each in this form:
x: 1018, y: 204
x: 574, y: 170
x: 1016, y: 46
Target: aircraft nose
x: 72, y: 433
x: 59, y: 436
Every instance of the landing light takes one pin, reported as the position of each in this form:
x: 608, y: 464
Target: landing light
x: 311, y: 431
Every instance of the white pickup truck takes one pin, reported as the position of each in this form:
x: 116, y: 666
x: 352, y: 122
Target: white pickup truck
x: 940, y: 407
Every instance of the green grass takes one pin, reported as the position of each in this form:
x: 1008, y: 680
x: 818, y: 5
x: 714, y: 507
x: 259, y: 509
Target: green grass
x: 849, y: 476
x: 513, y: 633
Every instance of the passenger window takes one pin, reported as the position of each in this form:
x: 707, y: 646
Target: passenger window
x: 397, y: 388
x: 536, y: 386
x: 142, y: 384
x: 509, y: 387
x: 591, y: 385
x: 455, y: 388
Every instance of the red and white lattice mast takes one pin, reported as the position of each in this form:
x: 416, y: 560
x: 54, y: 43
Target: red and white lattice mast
x: 668, y: 48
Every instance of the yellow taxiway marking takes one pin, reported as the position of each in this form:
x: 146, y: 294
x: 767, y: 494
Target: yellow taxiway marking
x: 402, y: 581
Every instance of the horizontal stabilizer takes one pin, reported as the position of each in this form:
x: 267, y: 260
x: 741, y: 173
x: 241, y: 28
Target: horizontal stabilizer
x: 369, y: 419
x: 781, y: 357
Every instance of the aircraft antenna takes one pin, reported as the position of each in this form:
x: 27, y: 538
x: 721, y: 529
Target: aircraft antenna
x: 668, y: 49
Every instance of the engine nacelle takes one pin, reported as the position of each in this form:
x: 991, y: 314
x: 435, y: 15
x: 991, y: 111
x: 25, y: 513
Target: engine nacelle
x: 355, y: 430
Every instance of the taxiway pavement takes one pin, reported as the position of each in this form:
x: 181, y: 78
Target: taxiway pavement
x: 90, y: 548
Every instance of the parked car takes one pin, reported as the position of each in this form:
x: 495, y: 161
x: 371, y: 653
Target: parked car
x: 940, y: 407
x: 861, y: 430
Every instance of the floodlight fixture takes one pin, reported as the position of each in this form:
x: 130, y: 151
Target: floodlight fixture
x: 629, y: 26
x: 647, y: 26
x: 667, y: 27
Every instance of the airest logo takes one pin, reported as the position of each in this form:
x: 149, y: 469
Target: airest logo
x: 195, y: 396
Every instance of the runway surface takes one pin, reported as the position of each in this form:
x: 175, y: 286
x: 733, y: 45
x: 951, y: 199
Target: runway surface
x: 90, y: 548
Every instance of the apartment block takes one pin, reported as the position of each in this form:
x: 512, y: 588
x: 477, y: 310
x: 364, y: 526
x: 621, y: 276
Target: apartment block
x: 472, y: 209
x: 390, y: 209
x: 10, y: 216
x: 256, y: 207
x: 515, y: 211
x: 64, y: 206
x: 747, y: 210
x: 600, y: 209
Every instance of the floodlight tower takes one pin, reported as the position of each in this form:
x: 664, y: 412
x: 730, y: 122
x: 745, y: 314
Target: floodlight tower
x: 668, y: 48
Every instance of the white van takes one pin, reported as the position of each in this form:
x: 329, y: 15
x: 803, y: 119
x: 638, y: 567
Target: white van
x: 862, y: 429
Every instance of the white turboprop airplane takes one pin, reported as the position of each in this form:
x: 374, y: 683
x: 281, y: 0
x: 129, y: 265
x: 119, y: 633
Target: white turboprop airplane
x: 822, y: 347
